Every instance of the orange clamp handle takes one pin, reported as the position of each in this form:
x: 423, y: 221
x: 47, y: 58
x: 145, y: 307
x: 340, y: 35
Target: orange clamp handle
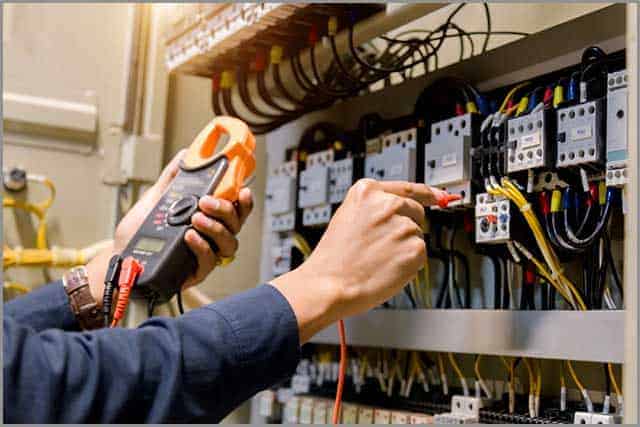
x: 239, y: 150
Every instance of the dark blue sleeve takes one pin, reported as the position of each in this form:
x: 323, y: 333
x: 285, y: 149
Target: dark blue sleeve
x: 195, y: 368
x: 44, y: 308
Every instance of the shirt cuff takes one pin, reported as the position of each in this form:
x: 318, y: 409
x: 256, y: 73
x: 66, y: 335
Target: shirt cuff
x: 44, y: 308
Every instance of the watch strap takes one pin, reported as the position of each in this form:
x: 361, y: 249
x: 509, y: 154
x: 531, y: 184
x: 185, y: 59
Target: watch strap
x: 83, y: 305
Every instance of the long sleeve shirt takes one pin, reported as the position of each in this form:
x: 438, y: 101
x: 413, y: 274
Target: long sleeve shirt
x: 194, y: 368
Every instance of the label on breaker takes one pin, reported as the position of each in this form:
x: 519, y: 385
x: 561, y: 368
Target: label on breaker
x: 580, y: 133
x: 292, y: 410
x: 449, y: 160
x: 530, y: 140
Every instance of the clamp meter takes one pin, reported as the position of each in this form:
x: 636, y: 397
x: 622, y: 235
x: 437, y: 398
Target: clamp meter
x: 159, y: 243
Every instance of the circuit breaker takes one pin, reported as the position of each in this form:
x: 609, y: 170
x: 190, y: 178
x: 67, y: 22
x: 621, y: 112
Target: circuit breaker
x: 281, y: 196
x: 313, y: 189
x: 398, y: 158
x: 372, y: 162
x: 392, y: 157
x: 580, y: 139
x: 530, y: 141
x: 448, y: 163
x: 341, y: 175
x: 282, y: 253
x: 493, y: 218
x: 617, y: 129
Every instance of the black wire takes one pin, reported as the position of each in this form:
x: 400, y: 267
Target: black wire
x: 609, y: 258
x: 266, y: 97
x: 215, y: 103
x: 151, y: 305
x: 497, y: 282
x: 180, y: 306
x: 243, y: 90
x: 601, y: 225
x: 487, y: 14
x: 412, y: 300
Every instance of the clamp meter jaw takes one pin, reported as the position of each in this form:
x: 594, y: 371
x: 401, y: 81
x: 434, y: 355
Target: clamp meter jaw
x: 159, y: 243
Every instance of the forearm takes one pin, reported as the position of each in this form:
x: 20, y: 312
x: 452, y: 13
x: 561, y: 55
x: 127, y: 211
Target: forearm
x: 44, y: 308
x: 194, y: 368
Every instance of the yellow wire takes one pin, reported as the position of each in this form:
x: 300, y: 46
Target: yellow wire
x: 441, y: 364
x: 510, y: 94
x: 456, y: 368
x: 476, y: 368
x: 613, y: 379
x: 574, y: 376
x: 302, y: 245
x: 532, y: 383
x: 510, y: 191
x: 13, y: 286
x: 538, y: 378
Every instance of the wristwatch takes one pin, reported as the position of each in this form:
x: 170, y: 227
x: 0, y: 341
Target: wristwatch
x: 83, y: 305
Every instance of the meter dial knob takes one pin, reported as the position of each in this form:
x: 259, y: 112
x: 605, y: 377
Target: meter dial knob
x: 181, y: 210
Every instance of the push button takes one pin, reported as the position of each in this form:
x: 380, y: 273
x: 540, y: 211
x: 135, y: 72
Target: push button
x: 181, y: 210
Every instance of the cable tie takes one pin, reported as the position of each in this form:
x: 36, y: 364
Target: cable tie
x: 526, y: 207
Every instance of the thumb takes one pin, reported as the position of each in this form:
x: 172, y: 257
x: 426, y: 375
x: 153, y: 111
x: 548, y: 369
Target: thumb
x: 170, y: 171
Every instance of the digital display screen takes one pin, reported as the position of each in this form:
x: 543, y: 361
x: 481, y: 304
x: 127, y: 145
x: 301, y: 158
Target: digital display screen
x: 149, y: 244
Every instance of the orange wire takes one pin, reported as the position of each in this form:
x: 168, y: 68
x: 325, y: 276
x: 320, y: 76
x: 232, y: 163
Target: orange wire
x: 343, y: 367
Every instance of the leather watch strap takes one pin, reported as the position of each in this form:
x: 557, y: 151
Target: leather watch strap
x: 83, y: 305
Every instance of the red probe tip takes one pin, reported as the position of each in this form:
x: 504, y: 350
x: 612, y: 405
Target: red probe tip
x: 443, y: 198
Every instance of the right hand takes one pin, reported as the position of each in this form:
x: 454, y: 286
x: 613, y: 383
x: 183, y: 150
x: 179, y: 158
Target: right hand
x: 372, y: 247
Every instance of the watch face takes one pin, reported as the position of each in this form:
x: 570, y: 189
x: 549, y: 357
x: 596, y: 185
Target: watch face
x: 75, y: 278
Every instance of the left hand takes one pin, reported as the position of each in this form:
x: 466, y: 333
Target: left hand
x: 219, y: 220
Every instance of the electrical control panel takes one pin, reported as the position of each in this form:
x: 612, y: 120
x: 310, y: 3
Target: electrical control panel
x: 313, y: 189
x: 280, y: 196
x: 493, y: 218
x: 580, y: 138
x: 530, y: 141
x: 448, y: 163
x: 617, y: 128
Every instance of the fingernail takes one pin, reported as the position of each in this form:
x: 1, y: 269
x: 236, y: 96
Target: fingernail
x: 214, y: 203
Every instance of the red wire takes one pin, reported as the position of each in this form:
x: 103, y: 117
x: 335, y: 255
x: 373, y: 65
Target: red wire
x: 343, y: 367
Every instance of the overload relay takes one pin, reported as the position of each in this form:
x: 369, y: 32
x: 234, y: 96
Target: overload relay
x: 493, y: 219
x: 617, y: 128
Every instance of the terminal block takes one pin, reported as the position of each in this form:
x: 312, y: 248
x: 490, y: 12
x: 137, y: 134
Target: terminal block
x: 594, y: 418
x: 448, y: 163
x: 530, y: 141
x: 313, y: 189
x: 464, y: 410
x: 281, y: 196
x: 617, y: 129
x: 580, y: 139
x: 493, y: 219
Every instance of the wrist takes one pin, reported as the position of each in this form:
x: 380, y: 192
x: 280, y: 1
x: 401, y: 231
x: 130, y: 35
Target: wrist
x: 314, y: 298
x: 96, y: 271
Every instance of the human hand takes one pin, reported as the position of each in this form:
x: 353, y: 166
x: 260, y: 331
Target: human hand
x: 372, y: 247
x: 219, y: 220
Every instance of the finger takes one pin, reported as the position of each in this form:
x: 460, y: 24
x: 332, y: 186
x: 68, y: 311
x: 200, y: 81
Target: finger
x: 221, y: 210
x: 201, y: 249
x: 170, y: 171
x: 245, y: 204
x: 214, y: 230
x: 412, y: 209
x: 419, y: 192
